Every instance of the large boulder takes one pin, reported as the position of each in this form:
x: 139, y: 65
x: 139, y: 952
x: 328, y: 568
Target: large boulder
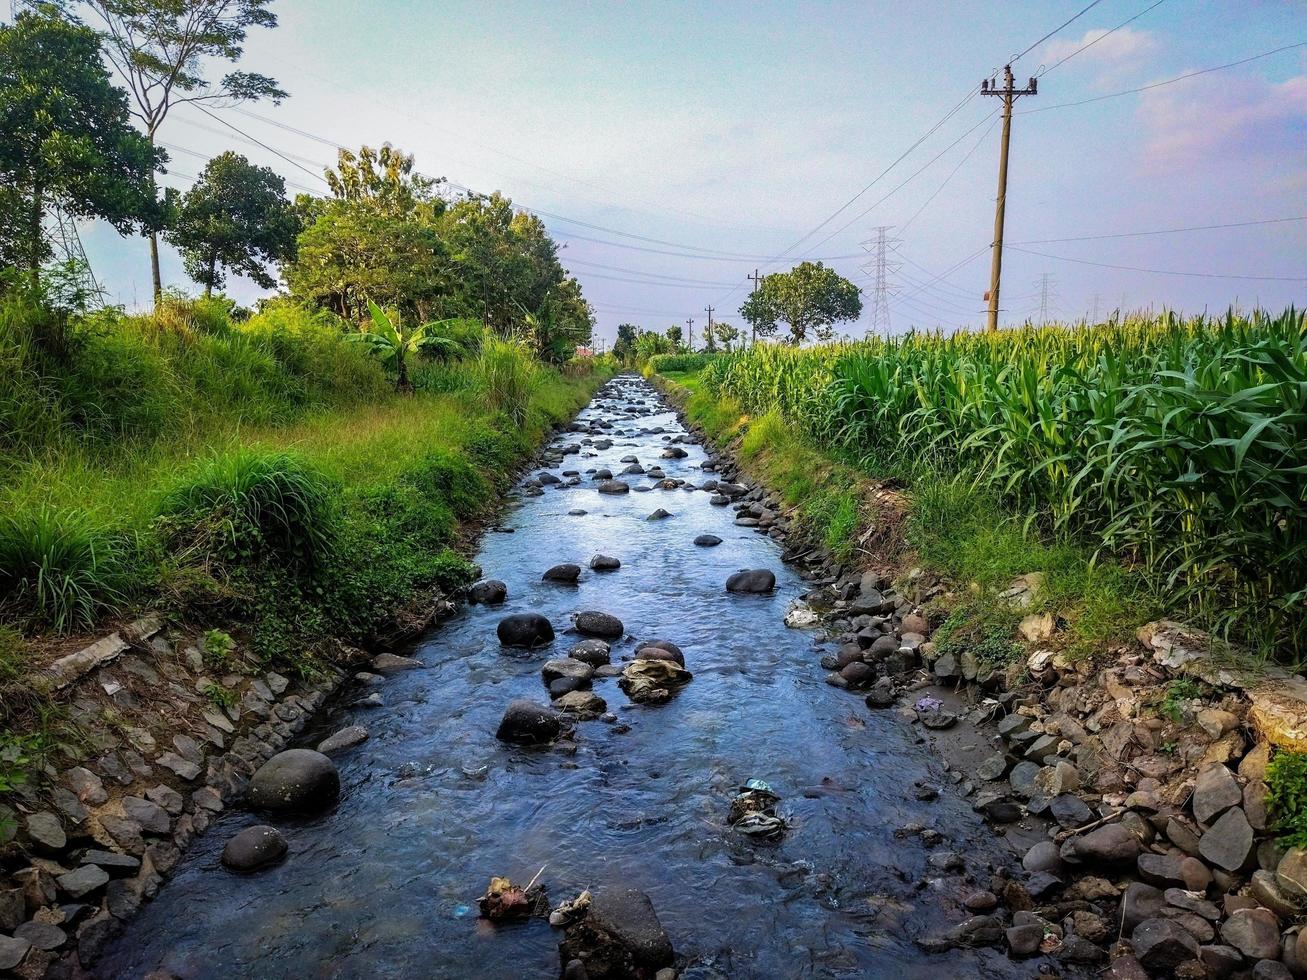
x: 295, y: 781
x: 1163, y: 944
x: 581, y: 704
x: 620, y: 937
x: 575, y: 670
x: 1229, y: 843
x: 528, y: 723
x: 567, y: 573
x: 707, y: 541
x: 489, y: 591
x: 1110, y: 845
x: 650, y: 681
x: 605, y: 563
x: 614, y: 487
x: 753, y: 580
x: 601, y: 624
x: 659, y: 650
x: 525, y: 630
x: 254, y: 848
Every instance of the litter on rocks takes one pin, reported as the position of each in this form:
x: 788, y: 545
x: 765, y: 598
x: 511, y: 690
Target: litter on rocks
x: 569, y: 912
x: 504, y: 900
x: 753, y: 811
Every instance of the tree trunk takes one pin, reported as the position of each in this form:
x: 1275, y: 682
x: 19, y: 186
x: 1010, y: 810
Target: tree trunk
x: 213, y: 269
x: 34, y: 236
x: 155, y: 278
x: 401, y: 371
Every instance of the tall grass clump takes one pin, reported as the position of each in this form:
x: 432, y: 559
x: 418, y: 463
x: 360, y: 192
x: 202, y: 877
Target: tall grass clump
x: 663, y: 363
x: 57, y: 570
x: 508, y: 374
x: 1175, y: 443
x: 246, y: 505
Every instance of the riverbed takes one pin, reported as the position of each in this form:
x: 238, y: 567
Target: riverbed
x: 433, y: 805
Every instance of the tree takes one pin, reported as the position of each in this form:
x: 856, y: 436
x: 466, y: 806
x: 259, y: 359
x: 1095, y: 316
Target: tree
x: 674, y: 335
x: 157, y: 46
x: 650, y: 343
x: 236, y: 218
x: 726, y: 334
x: 624, y: 346
x: 808, y: 297
x: 68, y: 140
x: 393, y: 342
x: 385, y: 176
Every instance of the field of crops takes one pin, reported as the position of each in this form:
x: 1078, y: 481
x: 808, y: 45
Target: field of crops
x: 1181, y: 445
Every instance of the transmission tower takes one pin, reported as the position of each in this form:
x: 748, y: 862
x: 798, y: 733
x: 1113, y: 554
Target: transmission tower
x: 881, y: 266
x: 70, y: 251
x: 1047, y: 287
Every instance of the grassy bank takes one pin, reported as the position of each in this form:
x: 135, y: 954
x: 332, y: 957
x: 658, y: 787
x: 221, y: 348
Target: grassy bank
x: 1142, y: 466
x: 260, y: 475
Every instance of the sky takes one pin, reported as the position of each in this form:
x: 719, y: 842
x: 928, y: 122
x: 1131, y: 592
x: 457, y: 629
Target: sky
x: 675, y: 147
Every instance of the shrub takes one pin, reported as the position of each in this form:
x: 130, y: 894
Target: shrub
x: 246, y: 505
x: 663, y: 363
x: 508, y: 375
x: 58, y: 570
x: 1286, y: 795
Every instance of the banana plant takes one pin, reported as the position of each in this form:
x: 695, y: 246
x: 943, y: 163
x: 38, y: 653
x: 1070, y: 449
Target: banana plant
x: 392, y: 343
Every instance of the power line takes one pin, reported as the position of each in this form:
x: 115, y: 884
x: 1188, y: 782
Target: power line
x: 1161, y: 272
x: 1169, y: 81
x: 276, y: 153
x: 953, y: 173
x: 1067, y: 23
x: 1084, y: 47
x: 1164, y: 231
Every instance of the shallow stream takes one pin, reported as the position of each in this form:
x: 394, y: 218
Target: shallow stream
x: 433, y: 806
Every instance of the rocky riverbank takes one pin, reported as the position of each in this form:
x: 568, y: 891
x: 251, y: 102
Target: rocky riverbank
x: 1131, y: 785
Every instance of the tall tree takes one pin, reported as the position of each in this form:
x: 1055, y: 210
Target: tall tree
x: 159, y: 47
x: 810, y: 297
x: 236, y: 218
x: 68, y: 140
x: 725, y: 333
x: 624, y: 346
x: 675, y: 335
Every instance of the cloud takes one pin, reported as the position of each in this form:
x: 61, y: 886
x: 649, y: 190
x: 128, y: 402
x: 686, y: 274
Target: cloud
x: 1116, y: 48
x: 1218, y: 122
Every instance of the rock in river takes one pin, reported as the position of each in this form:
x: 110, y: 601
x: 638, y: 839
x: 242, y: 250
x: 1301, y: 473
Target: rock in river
x: 754, y: 580
x: 489, y: 591
x: 707, y: 541
x: 566, y: 572
x: 659, y: 650
x: 614, y: 487
x: 528, y: 723
x: 604, y: 563
x: 620, y: 937
x: 601, y: 624
x: 254, y: 848
x: 596, y: 653
x: 525, y: 630
x: 344, y: 739
x: 295, y: 781
x: 652, y: 681
x: 582, y: 704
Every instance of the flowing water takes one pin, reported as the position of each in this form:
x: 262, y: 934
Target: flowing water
x: 386, y: 884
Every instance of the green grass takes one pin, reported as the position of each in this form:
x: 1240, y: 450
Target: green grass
x: 1286, y: 797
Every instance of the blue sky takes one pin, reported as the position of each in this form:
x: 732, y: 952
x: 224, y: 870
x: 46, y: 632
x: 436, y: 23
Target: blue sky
x: 729, y: 131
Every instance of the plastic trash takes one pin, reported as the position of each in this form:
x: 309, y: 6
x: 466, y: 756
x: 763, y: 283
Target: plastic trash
x: 928, y: 704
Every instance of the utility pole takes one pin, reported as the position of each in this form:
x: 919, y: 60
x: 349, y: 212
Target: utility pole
x: 711, y: 344
x: 689, y: 322
x: 753, y: 327
x: 1008, y: 94
x: 882, y: 244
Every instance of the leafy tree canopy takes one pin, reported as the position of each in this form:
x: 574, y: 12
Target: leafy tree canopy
x: 236, y: 218
x: 624, y: 346
x: 68, y: 140
x: 810, y: 297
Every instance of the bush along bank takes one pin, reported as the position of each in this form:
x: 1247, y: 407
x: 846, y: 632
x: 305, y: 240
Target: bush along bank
x: 239, y: 552
x: 1153, y: 794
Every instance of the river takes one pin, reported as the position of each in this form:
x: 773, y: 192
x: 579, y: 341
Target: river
x: 386, y: 884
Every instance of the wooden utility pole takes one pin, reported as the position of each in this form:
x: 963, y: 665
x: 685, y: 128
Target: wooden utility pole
x: 753, y: 328
x: 1009, y: 94
x: 689, y: 322
x: 711, y: 345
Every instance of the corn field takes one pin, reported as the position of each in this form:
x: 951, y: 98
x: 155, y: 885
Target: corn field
x: 1179, y: 444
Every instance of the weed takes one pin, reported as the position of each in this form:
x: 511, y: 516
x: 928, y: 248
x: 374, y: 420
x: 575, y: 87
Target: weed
x: 1175, y: 703
x: 983, y: 628
x: 217, y: 648
x: 1286, y: 796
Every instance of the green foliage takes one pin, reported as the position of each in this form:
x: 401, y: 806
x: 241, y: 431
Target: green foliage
x: 234, y: 218
x: 1172, y: 443
x: 1175, y: 702
x: 246, y: 506
x: 508, y: 376
x: 1286, y: 796
x: 220, y: 697
x: 662, y: 363
x: 986, y: 629
x: 810, y: 297
x: 217, y: 648
x: 68, y: 141
x: 57, y: 569
x: 624, y: 346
